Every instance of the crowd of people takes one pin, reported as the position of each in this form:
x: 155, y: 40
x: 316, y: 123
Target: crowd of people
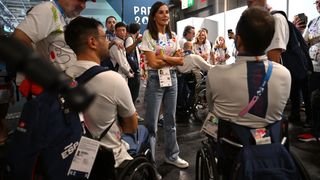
x: 74, y: 44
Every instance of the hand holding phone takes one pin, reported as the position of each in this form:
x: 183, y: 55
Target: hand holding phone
x: 230, y: 34
x: 303, y: 18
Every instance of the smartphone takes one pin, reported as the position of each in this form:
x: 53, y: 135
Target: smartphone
x: 229, y: 33
x: 303, y: 18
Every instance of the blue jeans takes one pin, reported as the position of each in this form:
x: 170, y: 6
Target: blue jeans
x: 154, y: 96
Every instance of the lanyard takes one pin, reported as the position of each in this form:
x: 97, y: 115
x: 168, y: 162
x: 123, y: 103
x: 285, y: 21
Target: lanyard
x: 259, y: 91
x: 187, y: 52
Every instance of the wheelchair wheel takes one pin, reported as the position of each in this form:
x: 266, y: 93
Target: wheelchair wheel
x: 302, y: 170
x: 200, y: 107
x: 206, y: 164
x: 138, y: 169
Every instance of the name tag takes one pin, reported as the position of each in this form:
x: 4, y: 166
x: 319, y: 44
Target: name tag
x: 210, y: 126
x: 165, y: 77
x: 260, y: 135
x: 84, y: 158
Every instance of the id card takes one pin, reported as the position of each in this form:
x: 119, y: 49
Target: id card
x: 84, y: 158
x: 165, y: 77
x: 210, y: 126
x: 260, y: 135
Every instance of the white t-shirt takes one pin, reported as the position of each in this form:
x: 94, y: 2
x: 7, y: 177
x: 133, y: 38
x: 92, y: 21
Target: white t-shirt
x: 192, y: 61
x: 202, y: 49
x: 182, y: 41
x: 119, y: 56
x: 314, y: 51
x: 129, y: 42
x: 44, y: 25
x: 228, y: 92
x: 112, y: 98
x: 163, y: 45
x: 281, y: 35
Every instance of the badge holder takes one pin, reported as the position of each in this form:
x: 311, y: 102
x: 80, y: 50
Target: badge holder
x: 210, y: 126
x: 84, y: 158
x: 164, y: 77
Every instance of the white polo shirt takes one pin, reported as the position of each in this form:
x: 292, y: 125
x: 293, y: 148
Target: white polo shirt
x: 112, y: 98
x: 281, y: 35
x: 44, y: 25
x: 229, y: 88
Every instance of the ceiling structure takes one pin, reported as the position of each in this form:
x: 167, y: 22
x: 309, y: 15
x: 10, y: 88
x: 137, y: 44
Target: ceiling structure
x: 13, y: 11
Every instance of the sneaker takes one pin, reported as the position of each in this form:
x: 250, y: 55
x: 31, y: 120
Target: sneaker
x: 180, y: 163
x: 158, y: 175
x: 307, y: 137
x: 306, y: 125
x: 140, y: 119
x: 160, y: 122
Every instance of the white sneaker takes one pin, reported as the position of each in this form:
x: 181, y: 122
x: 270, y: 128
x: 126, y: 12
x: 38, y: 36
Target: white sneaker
x: 158, y: 176
x: 180, y: 163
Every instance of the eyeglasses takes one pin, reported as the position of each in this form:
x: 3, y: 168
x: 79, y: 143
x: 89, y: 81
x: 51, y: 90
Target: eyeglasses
x: 102, y: 36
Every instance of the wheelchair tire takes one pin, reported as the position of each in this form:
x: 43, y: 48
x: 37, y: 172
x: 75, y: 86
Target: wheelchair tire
x: 302, y: 170
x: 200, y: 108
x: 140, y: 168
x: 206, y: 164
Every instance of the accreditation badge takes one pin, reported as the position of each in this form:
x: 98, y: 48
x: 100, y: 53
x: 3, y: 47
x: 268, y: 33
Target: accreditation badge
x: 164, y: 77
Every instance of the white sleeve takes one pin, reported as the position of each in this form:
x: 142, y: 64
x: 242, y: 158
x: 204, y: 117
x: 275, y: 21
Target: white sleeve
x: 41, y: 21
x: 125, y: 106
x: 148, y: 44
x: 119, y: 56
x: 200, y: 63
x: 280, y: 38
x: 181, y: 42
x: 129, y: 41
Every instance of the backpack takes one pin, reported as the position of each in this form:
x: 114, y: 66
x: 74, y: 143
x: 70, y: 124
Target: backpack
x: 46, y: 137
x: 263, y: 161
x: 296, y: 58
x: 133, y: 59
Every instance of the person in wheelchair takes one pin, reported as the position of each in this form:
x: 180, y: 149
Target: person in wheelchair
x: 252, y: 92
x: 112, y: 108
x: 190, y: 78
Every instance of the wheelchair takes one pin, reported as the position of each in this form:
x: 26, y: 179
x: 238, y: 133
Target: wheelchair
x: 200, y: 107
x: 215, y: 160
x: 140, y: 168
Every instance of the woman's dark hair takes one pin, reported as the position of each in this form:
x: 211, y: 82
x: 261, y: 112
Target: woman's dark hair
x: 133, y: 28
x: 78, y: 30
x: 152, y: 27
x: 256, y: 30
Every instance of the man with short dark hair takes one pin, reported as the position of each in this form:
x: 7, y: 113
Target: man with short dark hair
x: 230, y: 88
x: 188, y: 35
x: 118, y: 56
x: 280, y: 37
x: 87, y: 38
x: 110, y: 23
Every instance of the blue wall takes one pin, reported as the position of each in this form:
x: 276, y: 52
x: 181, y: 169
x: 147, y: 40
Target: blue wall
x: 134, y: 10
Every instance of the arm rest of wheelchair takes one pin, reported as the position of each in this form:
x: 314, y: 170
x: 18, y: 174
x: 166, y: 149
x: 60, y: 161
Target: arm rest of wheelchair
x: 284, y: 140
x: 230, y: 142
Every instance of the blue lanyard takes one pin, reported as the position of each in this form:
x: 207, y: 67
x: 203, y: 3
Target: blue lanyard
x: 60, y: 8
x: 259, y: 91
